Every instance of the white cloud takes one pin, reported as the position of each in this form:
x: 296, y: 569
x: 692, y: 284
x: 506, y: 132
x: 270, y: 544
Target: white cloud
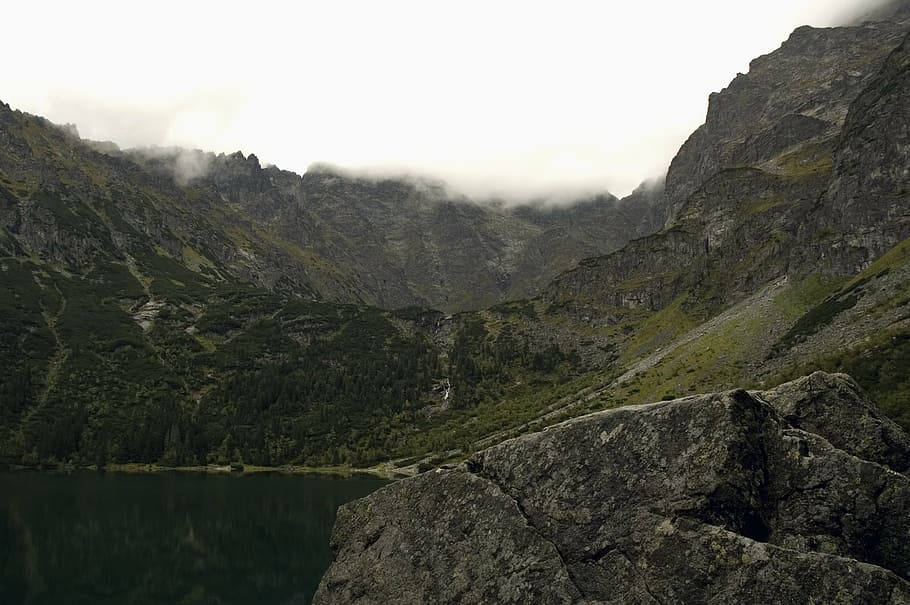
x: 514, y: 97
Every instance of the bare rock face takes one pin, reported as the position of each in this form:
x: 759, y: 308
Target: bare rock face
x: 801, y: 166
x: 798, y: 93
x: 870, y: 194
x: 722, y: 498
x: 834, y: 407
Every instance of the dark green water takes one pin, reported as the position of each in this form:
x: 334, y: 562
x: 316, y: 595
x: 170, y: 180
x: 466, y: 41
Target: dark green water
x: 98, y: 538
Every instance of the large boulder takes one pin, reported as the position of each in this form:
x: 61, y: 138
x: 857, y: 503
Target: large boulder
x: 709, y: 499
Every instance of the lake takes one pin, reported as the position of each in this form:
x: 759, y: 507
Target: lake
x: 170, y: 538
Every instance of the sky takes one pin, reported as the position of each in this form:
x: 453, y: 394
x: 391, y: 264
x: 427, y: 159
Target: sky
x: 512, y: 99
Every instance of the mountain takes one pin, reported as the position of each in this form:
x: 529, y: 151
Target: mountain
x: 783, y: 244
x: 388, y: 242
x: 798, y: 95
x: 181, y: 307
x: 163, y: 290
x: 395, y: 242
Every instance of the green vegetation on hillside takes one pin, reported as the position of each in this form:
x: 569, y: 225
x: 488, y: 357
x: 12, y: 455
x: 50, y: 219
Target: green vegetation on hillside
x: 101, y: 371
x: 223, y: 320
x: 878, y: 365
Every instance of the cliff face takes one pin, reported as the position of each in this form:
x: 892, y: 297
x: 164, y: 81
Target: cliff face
x: 789, y: 495
x: 801, y: 167
x: 869, y: 194
x: 394, y: 242
x: 800, y: 93
x: 733, y: 235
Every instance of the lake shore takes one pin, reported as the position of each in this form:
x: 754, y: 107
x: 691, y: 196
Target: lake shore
x: 381, y: 471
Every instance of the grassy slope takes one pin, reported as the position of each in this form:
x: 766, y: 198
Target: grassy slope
x: 752, y: 344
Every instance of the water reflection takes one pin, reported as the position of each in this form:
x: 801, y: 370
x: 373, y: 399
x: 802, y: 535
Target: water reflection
x: 174, y: 538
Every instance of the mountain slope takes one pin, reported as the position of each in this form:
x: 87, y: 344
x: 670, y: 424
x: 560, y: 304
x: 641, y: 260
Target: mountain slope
x: 152, y: 321
x: 793, y: 96
x: 204, y: 320
x: 811, y: 205
x: 797, y: 261
x: 397, y: 242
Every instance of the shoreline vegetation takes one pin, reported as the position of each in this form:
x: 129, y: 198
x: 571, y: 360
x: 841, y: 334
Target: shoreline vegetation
x: 380, y: 471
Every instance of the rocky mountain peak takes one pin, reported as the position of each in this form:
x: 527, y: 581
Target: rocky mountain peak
x: 797, y: 94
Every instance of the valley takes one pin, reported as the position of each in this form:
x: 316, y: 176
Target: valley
x: 244, y: 314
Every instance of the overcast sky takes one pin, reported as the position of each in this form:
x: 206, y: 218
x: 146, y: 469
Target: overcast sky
x: 515, y: 98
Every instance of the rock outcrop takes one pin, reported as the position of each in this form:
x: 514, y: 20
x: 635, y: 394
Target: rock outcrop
x: 869, y: 197
x: 788, y: 496
x: 796, y: 94
x: 834, y: 407
x: 800, y: 167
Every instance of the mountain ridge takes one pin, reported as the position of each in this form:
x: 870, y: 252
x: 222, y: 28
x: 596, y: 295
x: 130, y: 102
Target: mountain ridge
x: 388, y: 242
x: 227, y: 317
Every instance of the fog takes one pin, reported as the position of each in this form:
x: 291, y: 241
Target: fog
x: 509, y: 99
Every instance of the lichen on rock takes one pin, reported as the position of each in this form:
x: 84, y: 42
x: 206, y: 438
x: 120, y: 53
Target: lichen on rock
x: 730, y: 497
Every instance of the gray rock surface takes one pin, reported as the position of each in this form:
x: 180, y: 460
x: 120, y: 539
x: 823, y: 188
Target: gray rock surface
x: 814, y: 75
x: 709, y: 499
x: 869, y: 197
x: 800, y: 167
x: 835, y: 407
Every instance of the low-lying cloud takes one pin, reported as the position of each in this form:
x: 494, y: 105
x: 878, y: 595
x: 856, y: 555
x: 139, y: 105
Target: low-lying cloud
x: 185, y: 165
x: 190, y: 165
x: 511, y: 100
